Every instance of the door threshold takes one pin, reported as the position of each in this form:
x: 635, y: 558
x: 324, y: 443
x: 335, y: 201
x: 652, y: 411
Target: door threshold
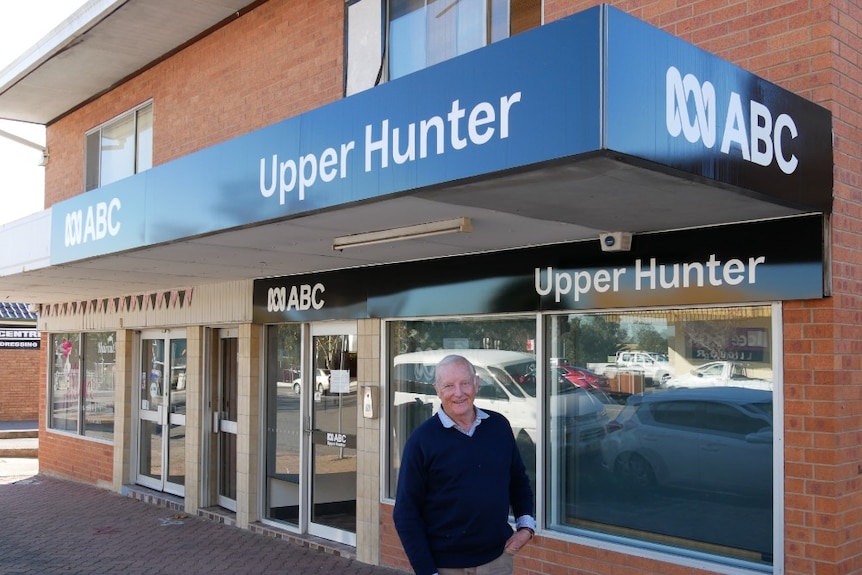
x: 154, y: 497
x: 310, y: 541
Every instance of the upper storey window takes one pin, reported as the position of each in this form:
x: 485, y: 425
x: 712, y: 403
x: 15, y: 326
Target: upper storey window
x: 120, y: 148
x: 387, y: 40
x: 425, y: 32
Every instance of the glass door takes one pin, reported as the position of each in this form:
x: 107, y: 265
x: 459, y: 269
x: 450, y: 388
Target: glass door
x: 227, y: 417
x: 330, y: 387
x: 162, y: 412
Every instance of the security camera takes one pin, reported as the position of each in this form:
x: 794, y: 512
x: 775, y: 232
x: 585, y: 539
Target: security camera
x: 616, y: 241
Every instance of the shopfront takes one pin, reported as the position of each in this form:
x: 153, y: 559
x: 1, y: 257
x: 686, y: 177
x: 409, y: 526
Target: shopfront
x: 626, y: 456
x: 611, y: 224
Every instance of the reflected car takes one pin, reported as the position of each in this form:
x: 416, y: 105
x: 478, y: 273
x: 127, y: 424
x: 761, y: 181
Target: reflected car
x: 503, y: 376
x: 581, y: 377
x: 719, y: 373
x: 716, y: 440
x: 579, y: 419
x: 321, y: 382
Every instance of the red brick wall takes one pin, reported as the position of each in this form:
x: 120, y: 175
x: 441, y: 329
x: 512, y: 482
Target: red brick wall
x: 19, y: 384
x: 812, y: 49
x: 278, y: 61
x: 286, y: 58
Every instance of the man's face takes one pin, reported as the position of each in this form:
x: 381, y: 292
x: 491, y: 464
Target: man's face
x: 456, y: 387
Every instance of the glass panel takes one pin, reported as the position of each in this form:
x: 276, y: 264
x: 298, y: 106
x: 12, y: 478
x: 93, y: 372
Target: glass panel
x: 152, y: 373
x: 646, y: 442
x: 118, y: 150
x: 144, y: 146
x: 93, y: 153
x: 65, y: 382
x: 500, y: 350
x: 177, y: 454
x: 453, y: 28
x: 228, y: 409
x: 150, y: 463
x: 406, y: 37
x: 227, y: 465
x: 176, y: 415
x: 499, y: 20
x: 333, y: 487
x: 230, y: 386
x: 99, y: 359
x: 283, y: 422
x: 425, y: 32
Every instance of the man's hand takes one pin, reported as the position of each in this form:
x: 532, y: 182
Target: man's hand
x: 517, y: 541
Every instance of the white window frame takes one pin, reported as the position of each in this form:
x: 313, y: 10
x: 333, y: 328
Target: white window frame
x: 93, y: 166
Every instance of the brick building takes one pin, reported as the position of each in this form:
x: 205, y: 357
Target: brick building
x: 20, y: 358
x: 265, y: 220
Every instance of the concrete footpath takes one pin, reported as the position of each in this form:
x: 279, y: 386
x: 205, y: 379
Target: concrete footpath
x: 51, y: 526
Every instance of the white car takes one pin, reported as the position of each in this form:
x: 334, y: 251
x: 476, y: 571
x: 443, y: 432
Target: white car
x: 654, y: 366
x: 321, y: 382
x: 507, y: 386
x: 719, y: 374
x: 498, y: 370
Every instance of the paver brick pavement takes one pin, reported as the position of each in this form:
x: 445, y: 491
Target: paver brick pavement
x: 51, y: 526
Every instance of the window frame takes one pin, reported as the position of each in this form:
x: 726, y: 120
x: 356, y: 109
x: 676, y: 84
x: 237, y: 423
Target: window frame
x: 685, y: 556
x: 93, y: 146
x: 81, y: 385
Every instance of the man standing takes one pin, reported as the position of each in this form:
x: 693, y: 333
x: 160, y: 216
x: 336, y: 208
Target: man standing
x: 460, y: 472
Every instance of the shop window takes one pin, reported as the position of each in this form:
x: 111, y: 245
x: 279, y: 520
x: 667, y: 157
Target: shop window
x: 387, y: 40
x: 660, y: 429
x: 82, y: 384
x: 500, y: 349
x: 120, y: 148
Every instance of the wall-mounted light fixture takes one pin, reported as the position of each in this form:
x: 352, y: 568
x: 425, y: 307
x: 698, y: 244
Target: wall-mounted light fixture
x: 452, y: 226
x: 28, y: 143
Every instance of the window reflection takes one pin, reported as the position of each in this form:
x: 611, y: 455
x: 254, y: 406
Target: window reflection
x: 684, y: 457
x: 283, y: 423
x: 425, y: 32
x: 498, y: 348
x: 82, y: 383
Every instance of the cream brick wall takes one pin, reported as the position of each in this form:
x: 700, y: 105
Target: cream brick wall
x: 368, y: 446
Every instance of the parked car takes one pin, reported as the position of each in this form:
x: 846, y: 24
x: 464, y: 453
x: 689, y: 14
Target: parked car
x: 581, y: 414
x: 498, y: 370
x: 321, y: 382
x: 715, y: 440
x: 579, y: 419
x: 581, y: 377
x: 654, y: 366
x: 719, y: 373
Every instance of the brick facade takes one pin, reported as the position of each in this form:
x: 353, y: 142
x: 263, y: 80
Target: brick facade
x: 285, y: 58
x: 19, y: 384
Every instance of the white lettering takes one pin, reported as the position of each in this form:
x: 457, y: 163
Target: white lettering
x: 758, y: 140
x: 734, y: 128
x: 483, y: 123
x: 713, y: 272
x: 100, y: 221
x: 288, y: 175
x: 785, y: 122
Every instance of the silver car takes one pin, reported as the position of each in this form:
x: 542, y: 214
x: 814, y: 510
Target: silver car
x: 711, y: 439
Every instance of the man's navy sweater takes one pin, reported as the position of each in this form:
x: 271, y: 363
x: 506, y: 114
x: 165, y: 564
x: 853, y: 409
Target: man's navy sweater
x: 454, y: 493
